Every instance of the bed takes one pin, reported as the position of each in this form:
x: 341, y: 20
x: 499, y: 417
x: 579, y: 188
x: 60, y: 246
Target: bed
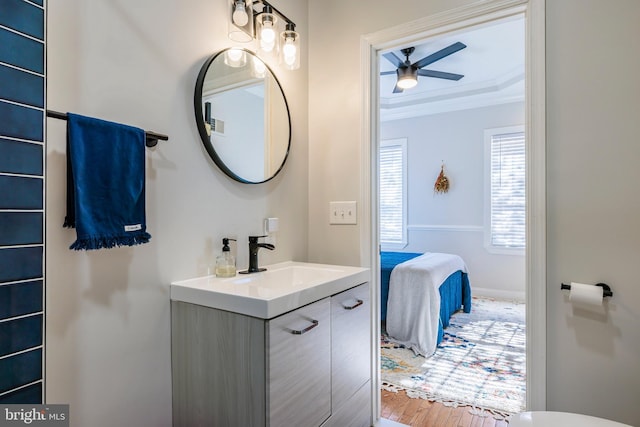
x: 415, y: 314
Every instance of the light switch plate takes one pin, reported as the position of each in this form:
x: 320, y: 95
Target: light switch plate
x: 343, y: 213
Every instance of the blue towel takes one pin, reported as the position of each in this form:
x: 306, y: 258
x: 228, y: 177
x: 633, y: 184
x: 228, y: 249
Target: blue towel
x: 105, y: 183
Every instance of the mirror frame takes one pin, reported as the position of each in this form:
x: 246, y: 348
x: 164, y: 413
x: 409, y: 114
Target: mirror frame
x: 197, y: 101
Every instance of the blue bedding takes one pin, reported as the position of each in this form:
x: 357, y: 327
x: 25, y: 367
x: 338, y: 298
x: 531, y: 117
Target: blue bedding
x: 455, y: 291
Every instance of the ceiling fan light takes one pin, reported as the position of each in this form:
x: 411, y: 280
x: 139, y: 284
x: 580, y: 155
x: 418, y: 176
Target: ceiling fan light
x: 407, y: 82
x: 407, y: 78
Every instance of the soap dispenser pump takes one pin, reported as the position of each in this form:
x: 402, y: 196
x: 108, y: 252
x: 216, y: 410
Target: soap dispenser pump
x: 226, y: 263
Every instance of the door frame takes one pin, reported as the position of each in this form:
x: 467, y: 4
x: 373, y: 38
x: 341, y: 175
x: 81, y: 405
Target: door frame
x: 535, y: 127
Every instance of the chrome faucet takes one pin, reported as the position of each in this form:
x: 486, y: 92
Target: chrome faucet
x: 254, y: 245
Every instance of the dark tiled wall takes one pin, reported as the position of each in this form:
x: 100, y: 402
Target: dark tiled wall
x: 22, y: 112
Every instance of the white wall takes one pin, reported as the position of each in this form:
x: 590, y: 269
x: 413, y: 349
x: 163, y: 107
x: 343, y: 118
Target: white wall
x: 108, y: 336
x: 593, y: 99
x: 334, y: 110
x: 454, y: 222
x: 592, y: 175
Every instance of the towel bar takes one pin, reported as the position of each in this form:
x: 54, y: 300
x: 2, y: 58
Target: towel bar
x: 151, y: 137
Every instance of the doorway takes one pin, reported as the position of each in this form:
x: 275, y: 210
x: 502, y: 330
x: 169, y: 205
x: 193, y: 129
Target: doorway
x: 375, y: 44
x: 446, y: 157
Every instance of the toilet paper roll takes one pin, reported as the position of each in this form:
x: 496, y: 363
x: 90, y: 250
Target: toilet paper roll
x: 586, y: 294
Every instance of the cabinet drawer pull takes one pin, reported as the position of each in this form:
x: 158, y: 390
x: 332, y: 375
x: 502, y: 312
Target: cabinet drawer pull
x: 351, y: 307
x: 314, y: 323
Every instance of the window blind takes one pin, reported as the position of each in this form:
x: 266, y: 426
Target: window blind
x: 508, y: 199
x: 392, y: 193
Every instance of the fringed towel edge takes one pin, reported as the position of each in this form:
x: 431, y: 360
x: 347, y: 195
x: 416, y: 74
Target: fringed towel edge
x: 68, y: 223
x: 90, y: 243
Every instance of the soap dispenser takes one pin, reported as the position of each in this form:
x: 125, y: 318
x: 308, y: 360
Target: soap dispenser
x: 226, y: 263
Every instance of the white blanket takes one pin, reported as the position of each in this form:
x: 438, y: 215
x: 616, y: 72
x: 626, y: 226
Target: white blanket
x: 413, y: 309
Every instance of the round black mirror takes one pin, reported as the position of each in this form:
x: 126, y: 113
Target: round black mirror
x: 242, y: 116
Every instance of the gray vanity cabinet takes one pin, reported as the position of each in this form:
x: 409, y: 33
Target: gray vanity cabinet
x: 306, y: 368
x: 230, y: 369
x: 350, y: 358
x: 299, y: 366
x: 217, y: 366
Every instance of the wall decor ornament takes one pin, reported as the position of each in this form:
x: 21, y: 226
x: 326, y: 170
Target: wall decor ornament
x: 442, y: 182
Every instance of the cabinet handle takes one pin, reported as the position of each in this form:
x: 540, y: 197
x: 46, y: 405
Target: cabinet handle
x: 314, y: 323
x: 351, y: 307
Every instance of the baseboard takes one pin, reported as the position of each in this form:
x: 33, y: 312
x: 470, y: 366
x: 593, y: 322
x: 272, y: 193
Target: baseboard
x: 498, y: 294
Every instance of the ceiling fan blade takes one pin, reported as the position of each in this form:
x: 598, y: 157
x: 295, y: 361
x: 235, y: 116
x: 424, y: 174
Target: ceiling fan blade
x: 393, y: 58
x: 440, y: 74
x: 397, y: 89
x: 430, y: 59
x: 386, y: 73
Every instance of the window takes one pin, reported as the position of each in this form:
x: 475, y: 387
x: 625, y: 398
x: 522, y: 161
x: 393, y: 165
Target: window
x: 505, y: 219
x: 393, y: 193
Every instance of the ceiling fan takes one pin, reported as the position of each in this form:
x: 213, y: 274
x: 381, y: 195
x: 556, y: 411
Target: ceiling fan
x: 408, y: 73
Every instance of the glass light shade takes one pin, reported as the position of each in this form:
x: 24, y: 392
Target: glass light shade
x: 290, y: 50
x: 241, y: 21
x: 235, y: 58
x: 266, y: 33
x: 258, y: 69
x: 240, y: 16
x: 407, y: 82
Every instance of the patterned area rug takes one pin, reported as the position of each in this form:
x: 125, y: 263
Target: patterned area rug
x: 480, y: 362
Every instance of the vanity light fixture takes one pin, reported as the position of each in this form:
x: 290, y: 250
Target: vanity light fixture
x: 258, y: 69
x: 275, y: 33
x: 240, y: 14
x: 289, y: 55
x: 266, y: 30
x: 235, y: 57
x: 241, y: 21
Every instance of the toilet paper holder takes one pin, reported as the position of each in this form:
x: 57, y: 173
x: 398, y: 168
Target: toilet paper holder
x: 606, y: 289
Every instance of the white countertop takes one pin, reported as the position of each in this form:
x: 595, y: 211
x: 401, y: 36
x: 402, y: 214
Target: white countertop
x: 282, y: 288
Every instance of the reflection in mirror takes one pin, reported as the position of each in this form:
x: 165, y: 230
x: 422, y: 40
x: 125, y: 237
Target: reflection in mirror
x: 242, y: 116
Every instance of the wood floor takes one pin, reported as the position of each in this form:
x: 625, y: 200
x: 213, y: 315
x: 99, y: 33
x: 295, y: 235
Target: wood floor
x: 422, y: 413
